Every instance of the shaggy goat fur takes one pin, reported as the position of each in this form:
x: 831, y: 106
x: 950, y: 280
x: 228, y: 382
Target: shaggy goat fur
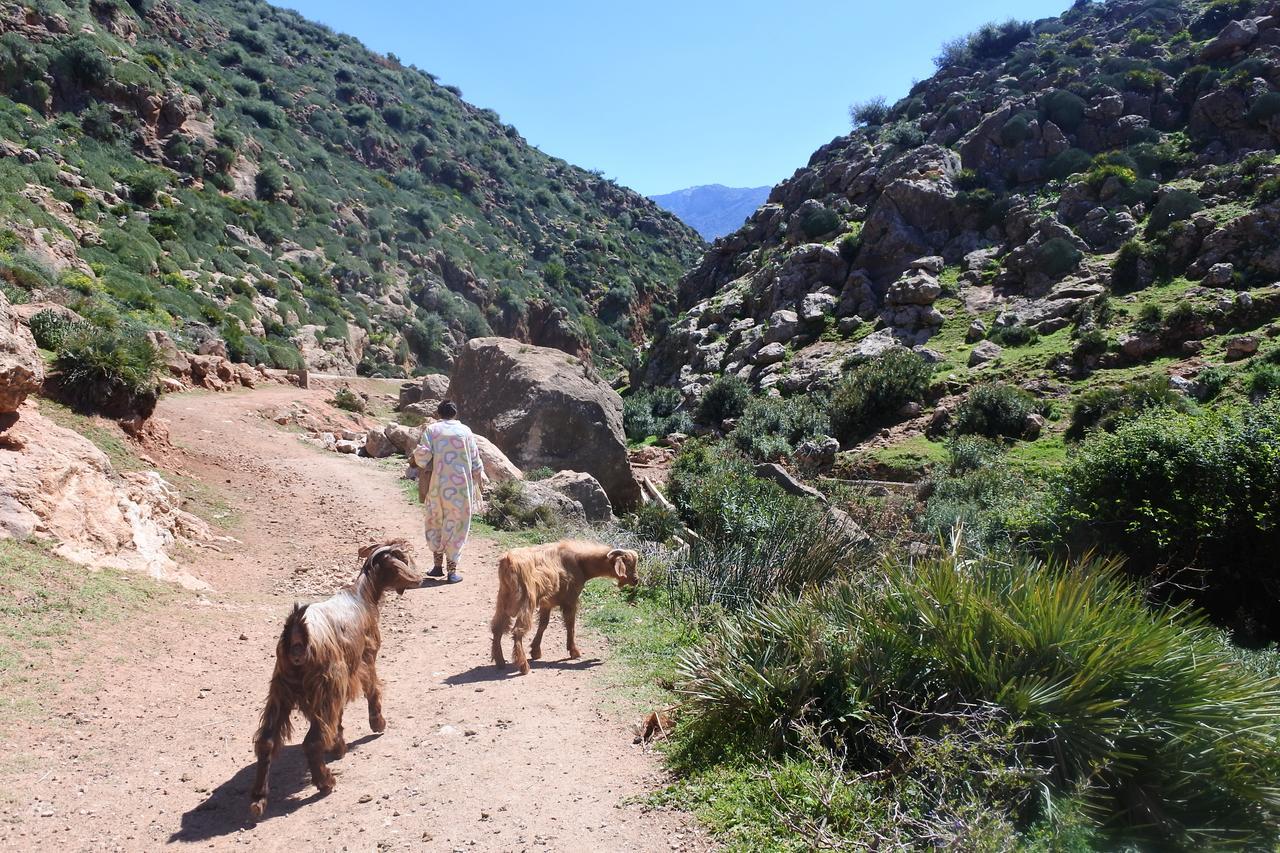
x: 549, y: 576
x: 325, y: 657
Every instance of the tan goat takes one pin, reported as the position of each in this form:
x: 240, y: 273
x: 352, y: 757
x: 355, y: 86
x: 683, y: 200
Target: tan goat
x: 549, y: 576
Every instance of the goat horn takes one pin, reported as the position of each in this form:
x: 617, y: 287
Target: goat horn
x: 615, y: 553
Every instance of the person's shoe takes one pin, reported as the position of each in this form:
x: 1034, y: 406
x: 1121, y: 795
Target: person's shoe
x: 436, y: 572
x: 454, y: 577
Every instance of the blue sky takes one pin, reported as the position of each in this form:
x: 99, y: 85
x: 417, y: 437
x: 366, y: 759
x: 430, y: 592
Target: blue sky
x: 662, y: 95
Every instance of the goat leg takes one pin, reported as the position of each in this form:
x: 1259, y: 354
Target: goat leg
x: 518, y: 631
x: 373, y: 691
x: 271, y: 735
x: 570, y: 614
x: 313, y: 746
x: 499, y: 626
x: 266, y: 747
x: 340, y: 746
x: 535, y: 649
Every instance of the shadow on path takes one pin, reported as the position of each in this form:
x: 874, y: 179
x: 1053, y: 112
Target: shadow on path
x: 489, y: 672
x: 226, y: 809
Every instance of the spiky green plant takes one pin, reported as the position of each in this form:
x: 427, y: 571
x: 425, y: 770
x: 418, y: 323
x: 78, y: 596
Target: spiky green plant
x: 1144, y: 716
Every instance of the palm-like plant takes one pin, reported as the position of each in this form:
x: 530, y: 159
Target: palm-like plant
x: 1147, y: 713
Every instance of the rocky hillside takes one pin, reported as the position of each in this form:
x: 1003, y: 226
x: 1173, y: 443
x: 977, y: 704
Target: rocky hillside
x: 713, y: 209
x: 1086, y: 196
x: 237, y: 176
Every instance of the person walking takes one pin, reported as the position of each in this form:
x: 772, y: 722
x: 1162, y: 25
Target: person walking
x: 448, y: 455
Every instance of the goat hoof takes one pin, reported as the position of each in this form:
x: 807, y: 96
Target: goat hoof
x: 257, y: 808
x: 574, y: 654
x: 524, y: 669
x: 378, y: 723
x: 535, y: 654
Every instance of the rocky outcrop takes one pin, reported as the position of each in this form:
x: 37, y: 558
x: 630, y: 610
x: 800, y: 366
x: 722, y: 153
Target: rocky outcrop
x: 21, y: 368
x: 56, y: 485
x: 586, y: 491
x: 1023, y: 182
x: 543, y: 407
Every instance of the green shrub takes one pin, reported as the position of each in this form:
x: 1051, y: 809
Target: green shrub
x: 145, y: 186
x: 1128, y: 268
x: 995, y: 410
x: 870, y: 113
x: 655, y: 411
x: 903, y: 134
x: 654, y: 522
x: 819, y: 222
x: 1106, y: 408
x: 1145, y: 716
x: 345, y: 398
x: 1015, y: 131
x: 981, y: 495
x: 755, y: 538
x: 1211, y: 382
x: 1172, y: 207
x: 50, y: 329
x: 1172, y: 490
x: 541, y: 473
x: 724, y: 398
x: 1268, y: 190
x: 114, y: 371
x: 508, y: 508
x: 1102, y: 172
x: 1057, y: 257
x: 269, y: 182
x: 96, y: 121
x: 82, y: 60
x: 1016, y: 335
x: 1063, y: 108
x: 1264, y: 380
x: 1069, y: 162
x: 872, y: 392
x: 771, y: 427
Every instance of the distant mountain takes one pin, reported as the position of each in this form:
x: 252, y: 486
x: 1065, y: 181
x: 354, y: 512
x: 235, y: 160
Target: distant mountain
x: 713, y: 210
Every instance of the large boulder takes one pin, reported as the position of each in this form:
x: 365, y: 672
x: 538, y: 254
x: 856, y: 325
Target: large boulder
x: 435, y: 386
x: 21, y: 369
x: 584, y: 489
x: 403, y: 438
x: 539, y: 494
x: 543, y: 407
x: 497, y: 467
x: 377, y: 445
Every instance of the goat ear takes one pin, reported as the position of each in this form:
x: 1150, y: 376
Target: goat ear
x: 368, y: 549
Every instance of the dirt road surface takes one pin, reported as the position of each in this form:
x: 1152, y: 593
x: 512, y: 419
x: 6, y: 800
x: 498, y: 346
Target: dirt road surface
x: 144, y: 739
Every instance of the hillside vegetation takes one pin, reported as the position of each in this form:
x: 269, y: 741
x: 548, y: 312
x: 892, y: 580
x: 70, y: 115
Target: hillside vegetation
x: 228, y: 170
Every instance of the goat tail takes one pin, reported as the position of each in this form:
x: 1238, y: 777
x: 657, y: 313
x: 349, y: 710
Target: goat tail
x: 517, y: 591
x: 275, y: 726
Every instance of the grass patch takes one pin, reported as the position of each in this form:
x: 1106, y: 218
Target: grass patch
x: 44, y: 598
x: 644, y: 638
x: 906, y: 459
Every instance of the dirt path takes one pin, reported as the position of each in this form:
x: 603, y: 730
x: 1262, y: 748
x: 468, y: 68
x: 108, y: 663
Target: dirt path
x: 147, y: 742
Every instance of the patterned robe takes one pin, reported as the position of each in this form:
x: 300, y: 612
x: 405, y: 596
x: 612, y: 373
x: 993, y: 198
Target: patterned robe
x: 449, y: 451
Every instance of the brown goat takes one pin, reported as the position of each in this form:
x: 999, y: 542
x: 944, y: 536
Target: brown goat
x: 546, y: 577
x: 325, y: 657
